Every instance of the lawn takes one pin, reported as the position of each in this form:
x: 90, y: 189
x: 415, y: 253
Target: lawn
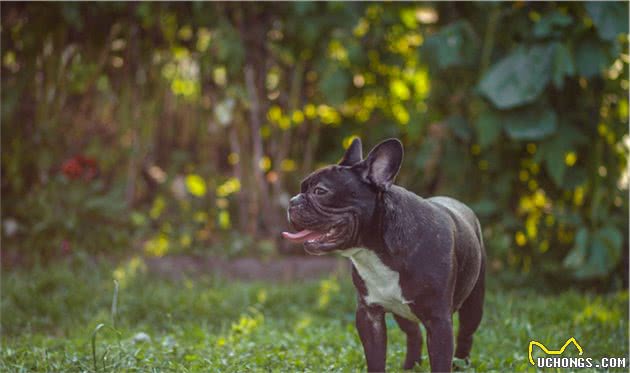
x: 51, y: 320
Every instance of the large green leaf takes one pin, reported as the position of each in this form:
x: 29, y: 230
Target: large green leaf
x: 550, y: 24
x: 553, y: 152
x: 356, y: 52
x: 604, y: 253
x: 554, y: 162
x: 577, y: 256
x: 529, y: 123
x: 460, y: 127
x: 609, y: 17
x: 519, y: 78
x: 574, y: 177
x: 562, y: 64
x: 612, y: 239
x: 454, y: 45
x: 590, y: 57
x: 488, y: 127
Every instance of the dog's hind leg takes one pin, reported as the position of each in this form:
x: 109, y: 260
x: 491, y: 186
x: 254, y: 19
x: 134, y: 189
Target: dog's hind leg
x: 470, y: 315
x: 414, y: 341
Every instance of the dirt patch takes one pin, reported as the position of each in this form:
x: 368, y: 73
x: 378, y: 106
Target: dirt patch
x: 282, y: 269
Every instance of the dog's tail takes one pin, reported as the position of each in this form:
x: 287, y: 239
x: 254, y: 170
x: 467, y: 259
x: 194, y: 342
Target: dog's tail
x: 480, y: 238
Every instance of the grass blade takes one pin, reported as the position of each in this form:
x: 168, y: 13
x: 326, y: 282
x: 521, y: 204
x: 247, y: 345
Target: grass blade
x: 98, y: 327
x: 115, y: 304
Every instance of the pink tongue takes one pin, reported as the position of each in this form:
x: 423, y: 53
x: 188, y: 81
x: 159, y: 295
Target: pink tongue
x: 300, y: 236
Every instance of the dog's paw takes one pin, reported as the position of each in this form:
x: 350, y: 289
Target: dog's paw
x: 461, y: 364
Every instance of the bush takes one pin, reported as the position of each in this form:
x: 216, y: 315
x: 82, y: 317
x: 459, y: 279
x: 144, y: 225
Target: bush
x: 519, y: 110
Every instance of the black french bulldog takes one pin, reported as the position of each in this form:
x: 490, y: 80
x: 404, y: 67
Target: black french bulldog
x: 421, y: 259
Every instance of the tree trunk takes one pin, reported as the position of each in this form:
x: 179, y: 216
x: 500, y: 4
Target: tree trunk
x: 261, y: 199
x: 235, y: 147
x: 283, y: 150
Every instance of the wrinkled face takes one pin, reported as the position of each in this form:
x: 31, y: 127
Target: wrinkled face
x: 336, y: 203
x: 328, y: 211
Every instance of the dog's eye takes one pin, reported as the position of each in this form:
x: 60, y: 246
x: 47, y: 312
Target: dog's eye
x: 319, y: 191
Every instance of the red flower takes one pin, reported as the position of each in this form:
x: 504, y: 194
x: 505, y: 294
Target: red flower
x: 80, y: 167
x: 72, y: 168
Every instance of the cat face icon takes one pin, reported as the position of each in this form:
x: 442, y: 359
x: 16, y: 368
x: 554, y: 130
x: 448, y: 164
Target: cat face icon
x: 553, y: 352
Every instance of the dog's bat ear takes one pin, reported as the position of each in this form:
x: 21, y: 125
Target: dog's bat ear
x: 354, y: 154
x: 383, y: 163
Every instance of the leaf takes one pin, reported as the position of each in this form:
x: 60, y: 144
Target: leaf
x: 334, y: 85
x: 612, y: 239
x: 460, y: 127
x: 597, y: 262
x: 590, y: 57
x: 356, y: 52
x: 604, y: 253
x: 454, y: 45
x: 229, y: 48
x: 93, y: 339
x: 610, y: 18
x: 485, y: 207
x: 553, y: 152
x: 488, y: 127
x: 554, y: 163
x: 577, y: 255
x: 574, y: 177
x: 519, y: 78
x: 551, y: 22
x: 530, y: 123
x: 562, y: 64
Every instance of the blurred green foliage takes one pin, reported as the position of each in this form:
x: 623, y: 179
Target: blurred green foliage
x: 203, y: 117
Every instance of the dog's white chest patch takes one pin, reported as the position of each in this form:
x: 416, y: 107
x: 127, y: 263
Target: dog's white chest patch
x: 382, y: 283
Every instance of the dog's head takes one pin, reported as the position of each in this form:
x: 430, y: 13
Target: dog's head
x: 337, y: 203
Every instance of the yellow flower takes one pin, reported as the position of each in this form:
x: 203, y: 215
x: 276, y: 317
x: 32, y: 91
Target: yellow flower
x: 520, y: 238
x: 196, y: 185
x: 264, y: 163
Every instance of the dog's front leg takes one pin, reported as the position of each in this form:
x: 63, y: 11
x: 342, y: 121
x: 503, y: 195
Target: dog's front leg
x: 370, y: 321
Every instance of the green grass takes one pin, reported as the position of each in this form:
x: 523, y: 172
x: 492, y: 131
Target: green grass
x: 207, y: 324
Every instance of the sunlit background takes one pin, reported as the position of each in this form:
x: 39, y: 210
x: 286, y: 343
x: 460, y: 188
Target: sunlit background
x: 170, y: 128
x: 136, y: 131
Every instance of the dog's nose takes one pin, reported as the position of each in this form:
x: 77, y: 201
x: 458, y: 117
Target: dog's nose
x: 294, y: 203
x: 295, y: 200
